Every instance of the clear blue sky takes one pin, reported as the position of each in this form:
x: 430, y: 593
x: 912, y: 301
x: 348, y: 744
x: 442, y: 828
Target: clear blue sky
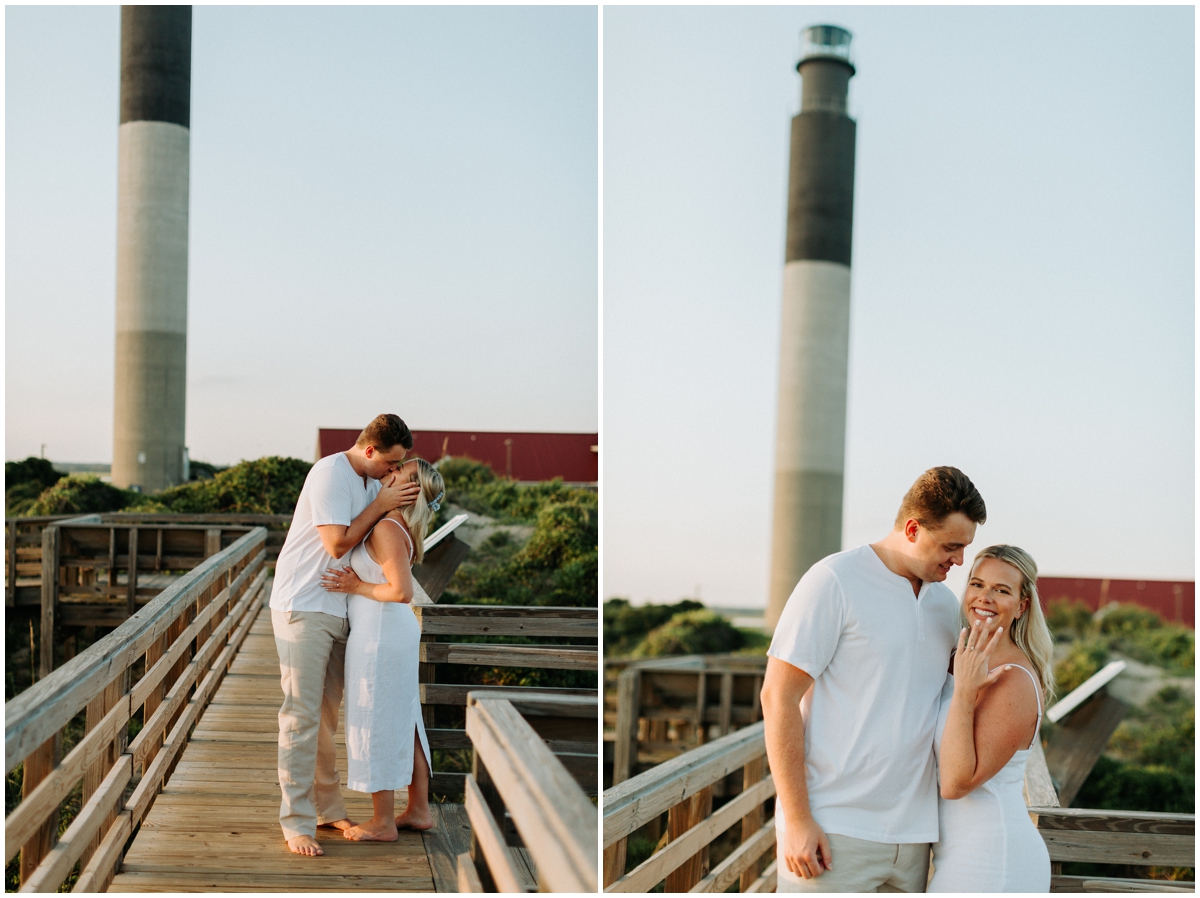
x: 392, y: 209
x: 1022, y: 297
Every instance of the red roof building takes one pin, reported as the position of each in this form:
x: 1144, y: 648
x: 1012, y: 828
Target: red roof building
x: 1175, y: 600
x: 526, y: 457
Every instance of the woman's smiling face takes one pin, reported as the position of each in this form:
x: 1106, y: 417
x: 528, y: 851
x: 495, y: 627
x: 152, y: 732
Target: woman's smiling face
x: 994, y: 594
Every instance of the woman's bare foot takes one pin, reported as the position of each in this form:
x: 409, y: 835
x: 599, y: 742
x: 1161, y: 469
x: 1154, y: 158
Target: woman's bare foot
x: 373, y: 831
x: 344, y: 824
x: 305, y: 845
x: 414, y: 818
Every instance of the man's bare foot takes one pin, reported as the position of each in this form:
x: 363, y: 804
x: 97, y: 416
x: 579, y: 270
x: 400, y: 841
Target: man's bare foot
x: 373, y: 831
x: 344, y: 824
x: 305, y: 845
x: 415, y: 819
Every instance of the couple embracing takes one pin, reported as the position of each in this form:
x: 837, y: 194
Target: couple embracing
x: 343, y: 621
x: 899, y: 719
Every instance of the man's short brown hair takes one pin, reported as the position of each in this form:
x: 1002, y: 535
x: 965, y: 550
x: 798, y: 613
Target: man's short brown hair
x: 384, y: 432
x: 937, y: 494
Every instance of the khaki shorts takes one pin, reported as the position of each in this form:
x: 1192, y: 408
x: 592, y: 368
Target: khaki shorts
x: 862, y: 866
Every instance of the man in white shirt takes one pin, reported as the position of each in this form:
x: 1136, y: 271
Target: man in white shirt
x: 850, y: 698
x: 341, y: 501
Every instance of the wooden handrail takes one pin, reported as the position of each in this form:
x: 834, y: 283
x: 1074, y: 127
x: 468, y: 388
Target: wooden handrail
x: 188, y: 636
x: 40, y: 711
x: 551, y: 813
x: 631, y: 804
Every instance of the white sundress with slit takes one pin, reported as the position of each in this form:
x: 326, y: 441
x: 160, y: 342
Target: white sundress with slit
x: 383, y: 702
x: 988, y: 842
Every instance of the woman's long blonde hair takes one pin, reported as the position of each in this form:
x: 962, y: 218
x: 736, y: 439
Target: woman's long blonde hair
x: 419, y: 515
x: 1029, y: 632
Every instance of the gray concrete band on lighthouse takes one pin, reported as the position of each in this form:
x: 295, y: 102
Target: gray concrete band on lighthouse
x: 810, y: 438
x: 149, y: 400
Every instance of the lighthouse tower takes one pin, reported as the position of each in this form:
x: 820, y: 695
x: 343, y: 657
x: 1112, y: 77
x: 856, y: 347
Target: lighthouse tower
x: 810, y: 442
x: 152, y: 246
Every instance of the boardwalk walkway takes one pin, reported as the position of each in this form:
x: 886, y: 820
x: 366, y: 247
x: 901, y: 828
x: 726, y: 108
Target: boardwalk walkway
x: 215, y: 826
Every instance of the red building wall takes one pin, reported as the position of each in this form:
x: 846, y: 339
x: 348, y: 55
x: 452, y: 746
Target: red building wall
x: 1175, y: 600
x: 522, y: 456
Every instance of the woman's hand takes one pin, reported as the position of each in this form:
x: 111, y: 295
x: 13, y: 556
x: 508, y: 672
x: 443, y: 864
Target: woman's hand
x: 341, y: 580
x: 973, y: 657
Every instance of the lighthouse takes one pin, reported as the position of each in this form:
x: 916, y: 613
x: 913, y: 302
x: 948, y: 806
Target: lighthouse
x: 810, y: 441
x: 152, y: 247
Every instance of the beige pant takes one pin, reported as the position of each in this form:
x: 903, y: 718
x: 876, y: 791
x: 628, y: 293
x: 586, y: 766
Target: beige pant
x: 312, y: 659
x: 862, y: 866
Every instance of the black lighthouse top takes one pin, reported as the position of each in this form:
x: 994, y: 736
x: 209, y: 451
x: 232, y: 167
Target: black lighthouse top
x: 156, y: 64
x: 827, y: 42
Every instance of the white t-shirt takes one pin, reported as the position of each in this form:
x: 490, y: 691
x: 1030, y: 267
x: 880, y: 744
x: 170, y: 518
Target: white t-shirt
x: 878, y: 657
x: 332, y: 494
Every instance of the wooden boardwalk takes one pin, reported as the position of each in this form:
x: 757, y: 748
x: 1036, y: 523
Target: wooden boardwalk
x: 215, y: 826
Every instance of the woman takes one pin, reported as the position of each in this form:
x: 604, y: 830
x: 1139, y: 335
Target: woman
x: 990, y: 716
x: 383, y: 706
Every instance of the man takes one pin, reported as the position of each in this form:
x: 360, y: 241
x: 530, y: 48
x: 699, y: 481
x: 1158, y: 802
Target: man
x: 850, y: 699
x: 341, y: 501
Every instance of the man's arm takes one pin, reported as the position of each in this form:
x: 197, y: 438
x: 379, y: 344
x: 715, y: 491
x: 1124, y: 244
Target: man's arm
x: 804, y: 848
x: 339, y: 539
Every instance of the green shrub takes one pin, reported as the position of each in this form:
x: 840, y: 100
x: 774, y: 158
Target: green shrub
x: 1123, y: 620
x: 691, y: 633
x: 1118, y: 786
x: 268, y: 485
x: 24, y: 481
x: 84, y: 495
x: 476, y: 487
x: 626, y: 625
x: 1083, y: 660
x: 1169, y: 646
x: 1069, y: 618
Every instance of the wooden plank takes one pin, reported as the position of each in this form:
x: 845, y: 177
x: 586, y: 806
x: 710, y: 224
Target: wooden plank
x: 50, y: 542
x: 555, y: 819
x: 739, y: 860
x: 43, y: 709
x: 690, y: 842
x: 132, y: 572
x: 766, y: 882
x: 506, y: 620
x: 614, y: 862
x: 1038, y: 789
x: 1087, y: 820
x: 71, y: 845
x: 491, y: 840
x: 10, y: 563
x: 450, y: 837
x: 552, y: 657
x: 38, y: 766
x: 98, y: 872
x: 468, y: 876
x: 1158, y: 850
x: 1076, y: 745
x: 441, y: 562
x: 41, y: 798
x: 440, y: 694
x: 299, y: 881
x: 633, y: 803
x: 625, y: 746
x: 682, y: 817
x: 1107, y: 884
x: 752, y: 774
x: 1084, y: 691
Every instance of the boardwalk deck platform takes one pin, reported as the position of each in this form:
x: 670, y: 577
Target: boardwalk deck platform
x: 215, y: 826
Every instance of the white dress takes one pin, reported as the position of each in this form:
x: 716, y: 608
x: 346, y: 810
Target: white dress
x: 987, y: 841
x: 383, y: 703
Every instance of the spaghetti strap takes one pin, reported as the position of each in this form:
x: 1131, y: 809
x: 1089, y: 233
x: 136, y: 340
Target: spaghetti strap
x: 404, y: 530
x: 1037, y: 689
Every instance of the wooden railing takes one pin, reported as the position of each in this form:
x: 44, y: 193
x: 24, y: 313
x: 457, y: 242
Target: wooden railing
x: 518, y: 769
x: 159, y: 668
x: 23, y: 542
x: 666, y: 706
x: 683, y: 789
x: 441, y: 702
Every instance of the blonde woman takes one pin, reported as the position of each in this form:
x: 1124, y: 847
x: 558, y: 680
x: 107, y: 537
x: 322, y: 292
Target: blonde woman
x: 383, y: 707
x: 990, y: 716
